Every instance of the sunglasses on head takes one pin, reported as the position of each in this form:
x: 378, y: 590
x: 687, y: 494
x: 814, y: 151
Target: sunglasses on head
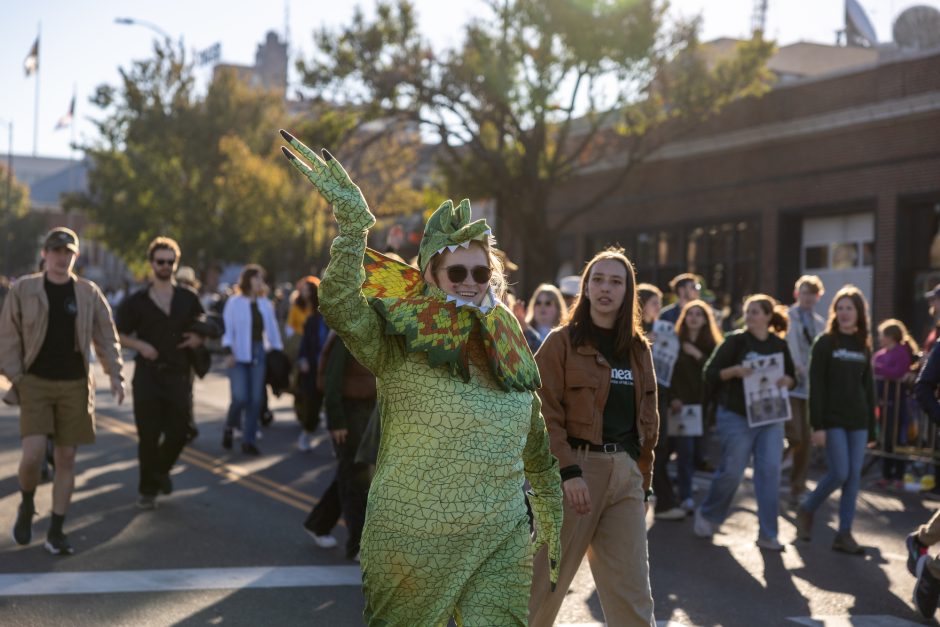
x: 164, y: 262
x: 480, y: 274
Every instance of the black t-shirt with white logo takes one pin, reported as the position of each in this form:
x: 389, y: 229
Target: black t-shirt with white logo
x: 59, y: 358
x: 620, y: 410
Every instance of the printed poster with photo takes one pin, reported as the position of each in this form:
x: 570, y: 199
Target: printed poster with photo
x: 665, y: 351
x: 766, y: 403
x: 687, y: 421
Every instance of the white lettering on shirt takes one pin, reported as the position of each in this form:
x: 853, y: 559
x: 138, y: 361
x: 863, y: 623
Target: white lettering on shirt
x: 621, y: 376
x: 847, y: 355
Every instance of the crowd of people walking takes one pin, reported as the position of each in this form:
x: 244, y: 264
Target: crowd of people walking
x: 433, y: 373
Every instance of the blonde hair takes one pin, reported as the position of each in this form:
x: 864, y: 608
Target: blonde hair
x: 547, y: 288
x: 497, y: 280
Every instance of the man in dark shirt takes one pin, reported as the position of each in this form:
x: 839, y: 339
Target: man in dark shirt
x: 157, y: 322
x: 687, y: 287
x: 48, y: 323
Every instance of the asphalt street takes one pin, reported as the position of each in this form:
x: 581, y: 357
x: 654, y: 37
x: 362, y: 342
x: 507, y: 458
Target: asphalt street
x: 228, y: 547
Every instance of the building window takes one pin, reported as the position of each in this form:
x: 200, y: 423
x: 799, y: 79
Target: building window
x: 816, y: 257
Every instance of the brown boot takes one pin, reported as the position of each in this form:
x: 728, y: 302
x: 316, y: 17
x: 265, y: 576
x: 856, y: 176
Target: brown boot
x: 845, y: 543
x: 804, y: 524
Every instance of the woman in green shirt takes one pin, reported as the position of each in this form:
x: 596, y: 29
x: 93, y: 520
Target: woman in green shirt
x: 841, y: 412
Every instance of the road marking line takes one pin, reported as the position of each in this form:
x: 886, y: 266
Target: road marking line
x: 853, y: 621
x: 221, y: 469
x: 104, y: 582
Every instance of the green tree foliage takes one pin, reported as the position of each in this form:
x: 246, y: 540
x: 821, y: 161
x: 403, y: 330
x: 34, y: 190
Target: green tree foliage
x: 20, y: 231
x: 535, y: 93
x: 206, y: 169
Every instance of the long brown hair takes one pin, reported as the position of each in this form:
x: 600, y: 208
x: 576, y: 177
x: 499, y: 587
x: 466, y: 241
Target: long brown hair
x: 861, y: 307
x: 779, y: 320
x: 628, y: 323
x: 244, y: 279
x: 708, y: 337
x: 897, y: 331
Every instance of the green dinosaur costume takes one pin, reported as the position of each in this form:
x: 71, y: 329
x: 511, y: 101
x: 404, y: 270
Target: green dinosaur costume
x: 446, y: 530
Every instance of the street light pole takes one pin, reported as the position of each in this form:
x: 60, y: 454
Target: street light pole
x: 129, y: 21
x: 8, y: 216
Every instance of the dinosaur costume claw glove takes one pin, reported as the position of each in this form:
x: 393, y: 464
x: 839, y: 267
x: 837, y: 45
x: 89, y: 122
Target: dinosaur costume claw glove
x: 331, y: 180
x: 548, y: 519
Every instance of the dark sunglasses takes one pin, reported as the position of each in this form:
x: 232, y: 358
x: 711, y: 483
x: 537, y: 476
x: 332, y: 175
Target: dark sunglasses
x: 480, y: 274
x: 164, y: 262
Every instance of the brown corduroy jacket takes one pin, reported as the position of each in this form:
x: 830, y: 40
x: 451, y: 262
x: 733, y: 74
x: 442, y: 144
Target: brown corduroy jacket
x: 575, y: 385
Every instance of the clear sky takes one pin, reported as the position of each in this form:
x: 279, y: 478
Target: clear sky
x: 82, y: 47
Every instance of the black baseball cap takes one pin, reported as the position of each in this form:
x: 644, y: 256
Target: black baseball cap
x: 934, y: 293
x: 61, y: 237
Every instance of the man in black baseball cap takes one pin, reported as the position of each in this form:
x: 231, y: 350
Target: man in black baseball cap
x: 48, y: 324
x: 61, y: 237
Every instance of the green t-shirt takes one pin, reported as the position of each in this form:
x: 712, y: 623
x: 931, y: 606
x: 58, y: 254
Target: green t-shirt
x: 620, y: 410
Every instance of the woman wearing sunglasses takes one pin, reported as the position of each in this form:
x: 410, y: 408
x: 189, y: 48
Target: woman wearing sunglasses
x: 446, y: 531
x: 547, y: 310
x: 599, y: 401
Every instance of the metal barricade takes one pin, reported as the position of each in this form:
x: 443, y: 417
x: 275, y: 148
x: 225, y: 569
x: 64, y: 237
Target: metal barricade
x: 904, y: 430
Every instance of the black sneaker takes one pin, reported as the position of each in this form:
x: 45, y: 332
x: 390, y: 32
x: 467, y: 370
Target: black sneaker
x: 147, y: 502
x: 58, y: 545
x: 915, y: 548
x: 166, y: 484
x: 23, y: 527
x: 227, y: 439
x: 250, y: 449
x: 927, y: 590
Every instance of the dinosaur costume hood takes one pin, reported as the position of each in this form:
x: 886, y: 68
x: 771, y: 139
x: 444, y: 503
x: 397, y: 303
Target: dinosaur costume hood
x: 450, y: 227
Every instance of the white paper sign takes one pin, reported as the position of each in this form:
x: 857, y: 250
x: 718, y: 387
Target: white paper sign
x: 665, y: 351
x: 766, y: 403
x: 687, y: 421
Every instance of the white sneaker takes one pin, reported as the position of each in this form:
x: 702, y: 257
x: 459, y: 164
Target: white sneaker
x: 356, y: 557
x: 688, y: 505
x: 259, y: 435
x: 324, y: 542
x: 303, y: 442
x: 676, y: 513
x: 702, y: 528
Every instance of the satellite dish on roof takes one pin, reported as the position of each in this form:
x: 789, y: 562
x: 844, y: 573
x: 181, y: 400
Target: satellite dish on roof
x: 858, y: 28
x: 918, y: 28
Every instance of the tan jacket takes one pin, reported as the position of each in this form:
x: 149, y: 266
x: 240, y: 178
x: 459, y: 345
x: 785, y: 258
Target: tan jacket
x: 23, y: 323
x: 575, y: 385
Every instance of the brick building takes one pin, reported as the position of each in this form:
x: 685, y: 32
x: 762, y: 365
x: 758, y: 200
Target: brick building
x: 837, y: 175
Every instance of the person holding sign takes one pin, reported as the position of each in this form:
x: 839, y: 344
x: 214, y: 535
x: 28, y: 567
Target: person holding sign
x: 841, y: 412
x: 698, y: 336
x: 599, y: 400
x: 765, y: 323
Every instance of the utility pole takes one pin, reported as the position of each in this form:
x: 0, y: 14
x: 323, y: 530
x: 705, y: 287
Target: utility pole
x: 759, y: 16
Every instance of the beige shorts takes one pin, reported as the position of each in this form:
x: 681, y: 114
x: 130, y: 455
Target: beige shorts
x: 56, y: 408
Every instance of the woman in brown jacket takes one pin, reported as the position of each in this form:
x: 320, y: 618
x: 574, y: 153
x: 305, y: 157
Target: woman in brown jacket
x: 599, y: 402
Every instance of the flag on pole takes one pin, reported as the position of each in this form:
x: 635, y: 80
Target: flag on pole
x: 31, y: 64
x: 66, y: 120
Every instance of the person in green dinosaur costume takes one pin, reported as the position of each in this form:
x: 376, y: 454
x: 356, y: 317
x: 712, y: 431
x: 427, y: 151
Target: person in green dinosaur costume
x: 446, y: 532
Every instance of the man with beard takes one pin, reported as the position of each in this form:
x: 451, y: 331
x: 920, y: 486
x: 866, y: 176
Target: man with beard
x: 160, y: 321
x: 48, y: 323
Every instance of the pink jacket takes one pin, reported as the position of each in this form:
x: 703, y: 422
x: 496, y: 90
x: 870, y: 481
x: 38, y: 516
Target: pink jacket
x: 892, y: 364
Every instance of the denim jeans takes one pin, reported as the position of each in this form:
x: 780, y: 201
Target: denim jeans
x: 738, y: 442
x: 247, y: 384
x: 845, y: 452
x: 685, y: 465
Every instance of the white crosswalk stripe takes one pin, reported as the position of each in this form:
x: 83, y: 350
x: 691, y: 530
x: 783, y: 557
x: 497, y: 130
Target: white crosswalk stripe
x: 102, y: 582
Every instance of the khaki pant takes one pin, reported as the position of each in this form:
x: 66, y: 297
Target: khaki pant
x: 929, y: 535
x: 614, y: 537
x: 56, y: 408
x: 798, y: 433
